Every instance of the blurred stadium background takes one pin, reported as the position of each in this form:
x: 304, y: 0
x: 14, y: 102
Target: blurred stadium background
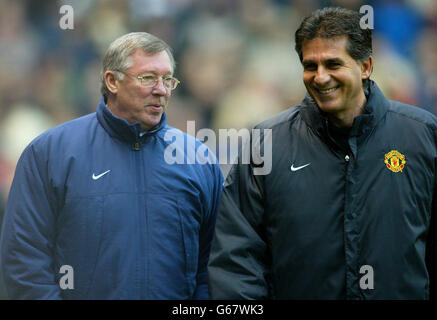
x: 236, y: 60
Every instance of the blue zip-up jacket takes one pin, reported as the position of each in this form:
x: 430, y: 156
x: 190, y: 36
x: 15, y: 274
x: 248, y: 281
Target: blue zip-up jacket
x: 95, y: 195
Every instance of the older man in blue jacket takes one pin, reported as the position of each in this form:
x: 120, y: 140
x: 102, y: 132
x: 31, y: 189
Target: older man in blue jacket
x: 96, y: 210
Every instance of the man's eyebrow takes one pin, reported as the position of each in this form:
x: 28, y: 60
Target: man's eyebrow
x: 330, y: 60
x: 154, y: 72
x: 308, y: 62
x: 334, y: 60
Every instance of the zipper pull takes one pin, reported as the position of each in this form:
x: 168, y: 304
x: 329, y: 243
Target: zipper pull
x: 136, y: 146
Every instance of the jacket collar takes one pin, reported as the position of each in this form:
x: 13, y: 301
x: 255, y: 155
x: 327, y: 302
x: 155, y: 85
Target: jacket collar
x: 121, y: 129
x: 374, y: 109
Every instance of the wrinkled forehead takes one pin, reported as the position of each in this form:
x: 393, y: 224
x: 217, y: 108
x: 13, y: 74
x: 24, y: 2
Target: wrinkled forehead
x: 319, y: 49
x: 143, y: 61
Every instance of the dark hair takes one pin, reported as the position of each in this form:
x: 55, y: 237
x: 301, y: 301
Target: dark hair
x: 335, y: 22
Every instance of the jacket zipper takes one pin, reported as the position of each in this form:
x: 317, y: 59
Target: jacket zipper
x: 142, y: 267
x: 351, y: 238
x: 346, y: 224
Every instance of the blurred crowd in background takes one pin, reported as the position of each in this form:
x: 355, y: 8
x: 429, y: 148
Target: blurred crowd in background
x: 235, y: 59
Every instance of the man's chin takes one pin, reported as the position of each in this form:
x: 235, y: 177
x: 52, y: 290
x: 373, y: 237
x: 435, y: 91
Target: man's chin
x: 150, y: 122
x: 327, y: 106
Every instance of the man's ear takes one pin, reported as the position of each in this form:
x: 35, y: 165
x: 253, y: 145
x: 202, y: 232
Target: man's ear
x: 366, y: 68
x: 111, y: 81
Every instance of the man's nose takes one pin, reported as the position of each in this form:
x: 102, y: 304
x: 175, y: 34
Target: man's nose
x: 159, y: 88
x: 322, y: 76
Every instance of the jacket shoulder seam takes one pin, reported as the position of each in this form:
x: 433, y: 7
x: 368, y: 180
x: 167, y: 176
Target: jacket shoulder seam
x: 289, y: 118
x: 424, y: 122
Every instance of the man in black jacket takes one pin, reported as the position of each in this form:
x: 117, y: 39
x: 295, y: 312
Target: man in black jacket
x: 345, y: 212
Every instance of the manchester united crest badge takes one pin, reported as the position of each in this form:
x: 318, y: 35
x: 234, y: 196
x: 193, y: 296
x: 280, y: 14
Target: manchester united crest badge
x: 395, y: 161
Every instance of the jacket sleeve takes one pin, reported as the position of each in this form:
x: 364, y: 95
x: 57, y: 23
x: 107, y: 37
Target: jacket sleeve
x: 205, y: 236
x: 28, y: 233
x: 431, y: 248
x: 239, y: 263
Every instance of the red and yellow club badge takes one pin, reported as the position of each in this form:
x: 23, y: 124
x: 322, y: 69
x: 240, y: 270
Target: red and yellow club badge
x: 395, y: 161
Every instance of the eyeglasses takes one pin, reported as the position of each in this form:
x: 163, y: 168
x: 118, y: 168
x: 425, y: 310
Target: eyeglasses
x: 150, y: 81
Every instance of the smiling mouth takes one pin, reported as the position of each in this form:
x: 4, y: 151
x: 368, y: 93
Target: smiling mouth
x: 326, y: 91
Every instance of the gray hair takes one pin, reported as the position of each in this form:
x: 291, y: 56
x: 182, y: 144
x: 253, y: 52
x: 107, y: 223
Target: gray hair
x: 117, y: 56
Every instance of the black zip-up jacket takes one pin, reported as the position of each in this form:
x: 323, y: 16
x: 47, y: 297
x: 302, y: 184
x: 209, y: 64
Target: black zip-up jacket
x: 329, y: 222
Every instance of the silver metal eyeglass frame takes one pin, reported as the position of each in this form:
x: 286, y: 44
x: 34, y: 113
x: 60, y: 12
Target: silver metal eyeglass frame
x: 156, y: 79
